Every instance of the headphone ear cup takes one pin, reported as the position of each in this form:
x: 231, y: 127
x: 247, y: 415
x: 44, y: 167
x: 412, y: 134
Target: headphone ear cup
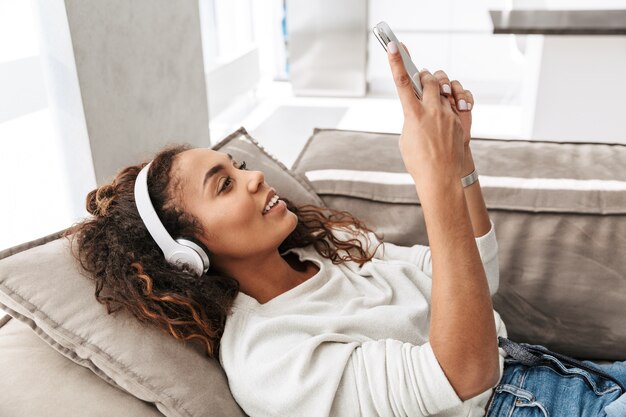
x: 198, y: 251
x: 178, y: 252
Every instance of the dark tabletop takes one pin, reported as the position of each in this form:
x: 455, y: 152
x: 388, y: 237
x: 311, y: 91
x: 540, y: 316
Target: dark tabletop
x: 560, y: 22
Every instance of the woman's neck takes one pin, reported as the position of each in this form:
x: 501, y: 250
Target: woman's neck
x: 270, y: 276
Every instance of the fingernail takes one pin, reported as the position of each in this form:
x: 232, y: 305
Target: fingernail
x: 446, y: 89
x: 392, y: 47
x: 462, y: 105
x: 469, y: 106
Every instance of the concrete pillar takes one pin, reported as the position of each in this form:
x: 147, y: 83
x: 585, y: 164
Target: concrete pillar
x: 141, y: 77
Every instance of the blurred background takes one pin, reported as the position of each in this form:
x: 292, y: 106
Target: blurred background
x: 90, y: 86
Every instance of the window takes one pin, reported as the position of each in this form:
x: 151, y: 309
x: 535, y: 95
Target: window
x: 34, y: 182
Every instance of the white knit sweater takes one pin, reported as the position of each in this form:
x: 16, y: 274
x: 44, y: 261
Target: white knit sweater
x: 349, y: 341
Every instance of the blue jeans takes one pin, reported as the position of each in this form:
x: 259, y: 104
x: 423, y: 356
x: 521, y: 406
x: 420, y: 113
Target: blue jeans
x: 537, y: 382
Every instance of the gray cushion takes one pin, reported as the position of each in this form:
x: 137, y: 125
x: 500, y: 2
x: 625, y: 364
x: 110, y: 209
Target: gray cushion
x: 37, y: 381
x: 42, y: 285
x: 243, y: 147
x: 560, y: 216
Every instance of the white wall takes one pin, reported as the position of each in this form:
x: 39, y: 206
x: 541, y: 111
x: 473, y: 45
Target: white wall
x: 453, y: 35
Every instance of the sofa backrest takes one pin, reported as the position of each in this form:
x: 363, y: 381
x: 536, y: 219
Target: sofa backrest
x: 559, y: 211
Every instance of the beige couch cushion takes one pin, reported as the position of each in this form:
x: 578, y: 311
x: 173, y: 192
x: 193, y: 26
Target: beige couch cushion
x: 560, y: 215
x: 42, y: 285
x: 37, y: 381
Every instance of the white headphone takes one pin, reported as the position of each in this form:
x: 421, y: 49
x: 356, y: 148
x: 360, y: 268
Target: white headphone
x: 177, y: 252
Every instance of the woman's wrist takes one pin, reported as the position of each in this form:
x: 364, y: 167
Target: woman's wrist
x: 468, y: 162
x: 437, y: 177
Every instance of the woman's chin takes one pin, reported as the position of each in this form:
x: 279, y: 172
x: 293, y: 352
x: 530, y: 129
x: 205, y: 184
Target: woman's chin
x: 294, y: 220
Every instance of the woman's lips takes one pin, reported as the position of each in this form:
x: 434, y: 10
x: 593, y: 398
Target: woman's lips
x: 279, y: 206
x: 272, y: 200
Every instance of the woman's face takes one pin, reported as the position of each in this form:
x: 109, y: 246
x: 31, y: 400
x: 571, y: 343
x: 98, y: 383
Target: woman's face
x: 230, y: 204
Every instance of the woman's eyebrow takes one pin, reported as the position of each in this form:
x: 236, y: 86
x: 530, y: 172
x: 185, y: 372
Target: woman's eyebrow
x: 217, y: 168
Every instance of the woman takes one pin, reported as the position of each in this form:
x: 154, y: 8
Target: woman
x: 307, y: 311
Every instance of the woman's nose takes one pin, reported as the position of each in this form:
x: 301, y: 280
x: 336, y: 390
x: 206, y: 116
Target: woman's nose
x: 257, y: 178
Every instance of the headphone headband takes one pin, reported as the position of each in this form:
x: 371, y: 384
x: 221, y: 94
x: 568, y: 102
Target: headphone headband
x: 177, y: 252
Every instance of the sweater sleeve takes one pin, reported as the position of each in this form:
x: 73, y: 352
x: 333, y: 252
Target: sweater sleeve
x: 396, y: 378
x: 385, y: 377
x: 420, y: 255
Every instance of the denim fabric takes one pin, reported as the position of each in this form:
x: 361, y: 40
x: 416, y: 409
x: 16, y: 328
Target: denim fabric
x: 537, y: 382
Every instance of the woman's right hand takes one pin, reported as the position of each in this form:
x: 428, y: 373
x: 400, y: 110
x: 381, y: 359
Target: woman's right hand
x: 431, y: 142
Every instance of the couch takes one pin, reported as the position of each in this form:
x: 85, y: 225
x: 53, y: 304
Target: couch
x: 560, y: 215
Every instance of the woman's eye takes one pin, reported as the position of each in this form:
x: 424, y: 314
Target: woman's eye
x: 229, y: 180
x: 226, y: 184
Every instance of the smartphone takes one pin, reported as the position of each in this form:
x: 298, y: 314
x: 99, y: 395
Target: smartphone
x: 384, y: 34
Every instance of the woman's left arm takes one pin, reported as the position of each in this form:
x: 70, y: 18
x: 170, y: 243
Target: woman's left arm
x: 475, y: 201
x: 462, y: 102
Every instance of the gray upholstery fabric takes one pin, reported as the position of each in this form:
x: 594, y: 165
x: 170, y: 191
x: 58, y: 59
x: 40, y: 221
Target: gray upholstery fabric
x: 515, y: 175
x: 44, y: 288
x: 560, y: 216
x: 242, y: 146
x: 41, y: 285
x: 37, y: 381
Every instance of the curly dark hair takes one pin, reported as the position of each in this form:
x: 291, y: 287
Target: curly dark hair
x: 114, y: 247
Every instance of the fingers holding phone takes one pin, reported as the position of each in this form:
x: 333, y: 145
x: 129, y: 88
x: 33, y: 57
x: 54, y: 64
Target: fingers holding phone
x: 402, y: 80
x: 405, y: 87
x: 461, y: 101
x: 431, y: 142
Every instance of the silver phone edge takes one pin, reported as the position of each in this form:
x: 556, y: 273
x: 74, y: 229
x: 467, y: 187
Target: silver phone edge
x: 380, y: 39
x: 376, y: 32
